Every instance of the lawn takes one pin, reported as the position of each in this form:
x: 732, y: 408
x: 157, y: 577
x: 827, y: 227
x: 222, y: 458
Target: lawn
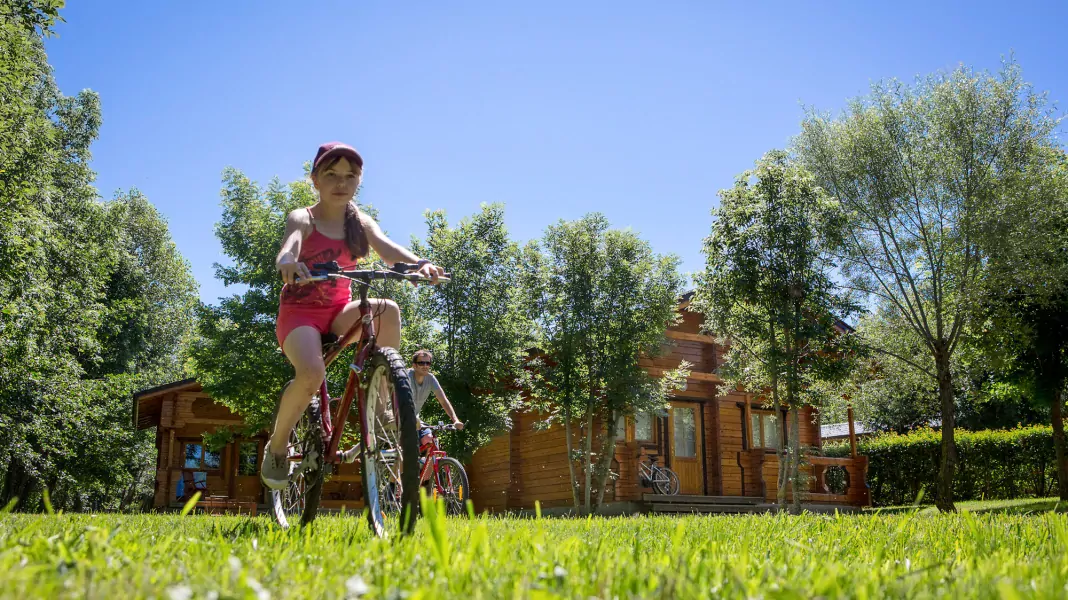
x: 917, y: 555
x: 1024, y: 506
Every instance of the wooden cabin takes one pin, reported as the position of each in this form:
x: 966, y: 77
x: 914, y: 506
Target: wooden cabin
x: 228, y: 479
x: 723, y: 446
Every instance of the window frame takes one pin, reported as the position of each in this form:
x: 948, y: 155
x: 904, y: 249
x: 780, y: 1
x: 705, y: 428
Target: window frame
x: 203, y: 457
x: 762, y: 415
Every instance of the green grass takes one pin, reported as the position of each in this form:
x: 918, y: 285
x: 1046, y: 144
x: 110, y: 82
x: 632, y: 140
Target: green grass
x: 968, y: 555
x: 1025, y: 506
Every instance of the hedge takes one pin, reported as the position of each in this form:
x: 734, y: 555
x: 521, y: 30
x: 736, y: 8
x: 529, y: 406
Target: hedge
x: 991, y: 464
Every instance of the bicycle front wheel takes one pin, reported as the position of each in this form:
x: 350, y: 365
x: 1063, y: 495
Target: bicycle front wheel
x: 452, y: 481
x: 389, y: 443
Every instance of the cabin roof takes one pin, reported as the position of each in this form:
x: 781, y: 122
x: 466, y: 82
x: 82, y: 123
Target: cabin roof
x: 147, y: 403
x: 837, y: 430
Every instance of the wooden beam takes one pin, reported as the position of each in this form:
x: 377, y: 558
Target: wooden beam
x: 210, y: 421
x: 690, y: 337
x: 747, y: 416
x: 694, y: 375
x: 852, y: 434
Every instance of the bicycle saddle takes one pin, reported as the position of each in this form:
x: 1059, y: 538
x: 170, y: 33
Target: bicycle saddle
x: 330, y: 341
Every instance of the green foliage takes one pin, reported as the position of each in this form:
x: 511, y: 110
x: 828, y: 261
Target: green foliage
x: 602, y: 299
x: 767, y: 289
x: 768, y: 292
x: 888, y: 394
x: 975, y: 555
x: 95, y: 300
x: 475, y: 324
x: 994, y: 464
x: 919, y: 172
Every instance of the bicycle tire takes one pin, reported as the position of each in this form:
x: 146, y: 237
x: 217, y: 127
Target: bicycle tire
x: 673, y: 482
x: 454, y: 504
x: 305, y: 489
x: 374, y: 460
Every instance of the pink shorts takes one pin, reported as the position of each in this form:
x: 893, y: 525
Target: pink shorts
x: 291, y: 316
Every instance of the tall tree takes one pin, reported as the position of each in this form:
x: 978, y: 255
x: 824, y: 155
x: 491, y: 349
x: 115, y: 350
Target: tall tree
x: 768, y: 291
x: 94, y: 297
x: 1025, y: 308
x: 480, y: 330
x: 603, y: 300
x: 915, y: 169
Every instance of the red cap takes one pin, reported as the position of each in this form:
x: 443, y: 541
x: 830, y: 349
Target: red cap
x: 331, y: 150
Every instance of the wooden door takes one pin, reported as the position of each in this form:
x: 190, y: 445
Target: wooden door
x: 246, y: 485
x: 684, y: 445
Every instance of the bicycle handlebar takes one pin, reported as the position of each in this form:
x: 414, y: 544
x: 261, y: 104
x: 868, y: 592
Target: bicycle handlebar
x: 399, y: 272
x: 442, y: 427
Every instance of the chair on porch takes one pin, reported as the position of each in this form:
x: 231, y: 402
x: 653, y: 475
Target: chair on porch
x: 191, y: 485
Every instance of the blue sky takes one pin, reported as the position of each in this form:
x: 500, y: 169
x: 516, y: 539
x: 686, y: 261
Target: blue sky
x: 639, y: 110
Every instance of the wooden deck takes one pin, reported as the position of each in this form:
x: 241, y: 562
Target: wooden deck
x: 657, y: 503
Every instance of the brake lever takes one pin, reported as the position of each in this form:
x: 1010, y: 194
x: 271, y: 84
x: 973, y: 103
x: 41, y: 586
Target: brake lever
x: 328, y: 267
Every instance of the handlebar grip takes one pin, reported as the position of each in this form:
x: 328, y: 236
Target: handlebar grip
x: 403, y: 267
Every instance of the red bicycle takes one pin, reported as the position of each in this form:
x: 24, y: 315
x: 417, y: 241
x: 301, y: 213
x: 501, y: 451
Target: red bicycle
x: 378, y: 381
x: 444, y: 475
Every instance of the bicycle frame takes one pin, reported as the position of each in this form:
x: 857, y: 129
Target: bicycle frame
x: 364, y: 327
x: 645, y: 470
x: 432, y: 452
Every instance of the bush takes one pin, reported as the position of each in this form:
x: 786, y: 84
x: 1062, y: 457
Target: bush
x: 992, y: 464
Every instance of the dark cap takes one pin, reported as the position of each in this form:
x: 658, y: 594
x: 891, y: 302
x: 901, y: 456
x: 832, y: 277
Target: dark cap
x: 332, y: 150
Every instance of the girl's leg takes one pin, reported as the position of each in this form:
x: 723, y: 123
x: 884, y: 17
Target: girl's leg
x: 303, y: 348
x: 387, y: 324
x: 387, y: 321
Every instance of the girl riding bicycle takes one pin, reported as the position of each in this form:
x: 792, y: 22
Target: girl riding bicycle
x: 333, y: 229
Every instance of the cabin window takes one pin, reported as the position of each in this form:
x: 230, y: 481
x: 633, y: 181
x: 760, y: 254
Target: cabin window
x: 248, y: 458
x: 643, y: 427
x: 765, y: 431
x: 199, y: 457
x: 685, y: 433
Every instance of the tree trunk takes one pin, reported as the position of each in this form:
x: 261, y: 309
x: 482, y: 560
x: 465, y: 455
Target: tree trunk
x: 588, y: 459
x: 784, y: 463
x: 944, y: 501
x: 1058, y: 444
x: 784, y: 458
x: 571, y: 458
x: 17, y: 485
x: 795, y: 460
x: 604, y: 462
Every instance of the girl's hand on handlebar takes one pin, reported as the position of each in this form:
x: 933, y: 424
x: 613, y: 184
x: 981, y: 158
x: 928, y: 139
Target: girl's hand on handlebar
x: 431, y: 272
x: 294, y: 273
x: 457, y: 425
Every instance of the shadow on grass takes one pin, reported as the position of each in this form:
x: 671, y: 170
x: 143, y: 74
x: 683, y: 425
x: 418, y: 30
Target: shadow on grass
x: 1039, y: 505
x: 1030, y: 506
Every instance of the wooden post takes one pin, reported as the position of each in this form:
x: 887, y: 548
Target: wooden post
x: 852, y: 434
x: 747, y: 430
x: 170, y: 465
x: 233, y: 451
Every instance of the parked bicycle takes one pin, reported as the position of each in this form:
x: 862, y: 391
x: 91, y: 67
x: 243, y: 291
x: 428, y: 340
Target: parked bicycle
x: 388, y: 448
x: 662, y: 479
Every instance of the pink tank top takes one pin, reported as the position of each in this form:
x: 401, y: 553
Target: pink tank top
x: 317, y: 248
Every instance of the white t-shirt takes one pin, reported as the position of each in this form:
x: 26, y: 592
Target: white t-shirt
x: 422, y: 392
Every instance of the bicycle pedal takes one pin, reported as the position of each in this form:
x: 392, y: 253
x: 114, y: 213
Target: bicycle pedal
x: 350, y: 455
